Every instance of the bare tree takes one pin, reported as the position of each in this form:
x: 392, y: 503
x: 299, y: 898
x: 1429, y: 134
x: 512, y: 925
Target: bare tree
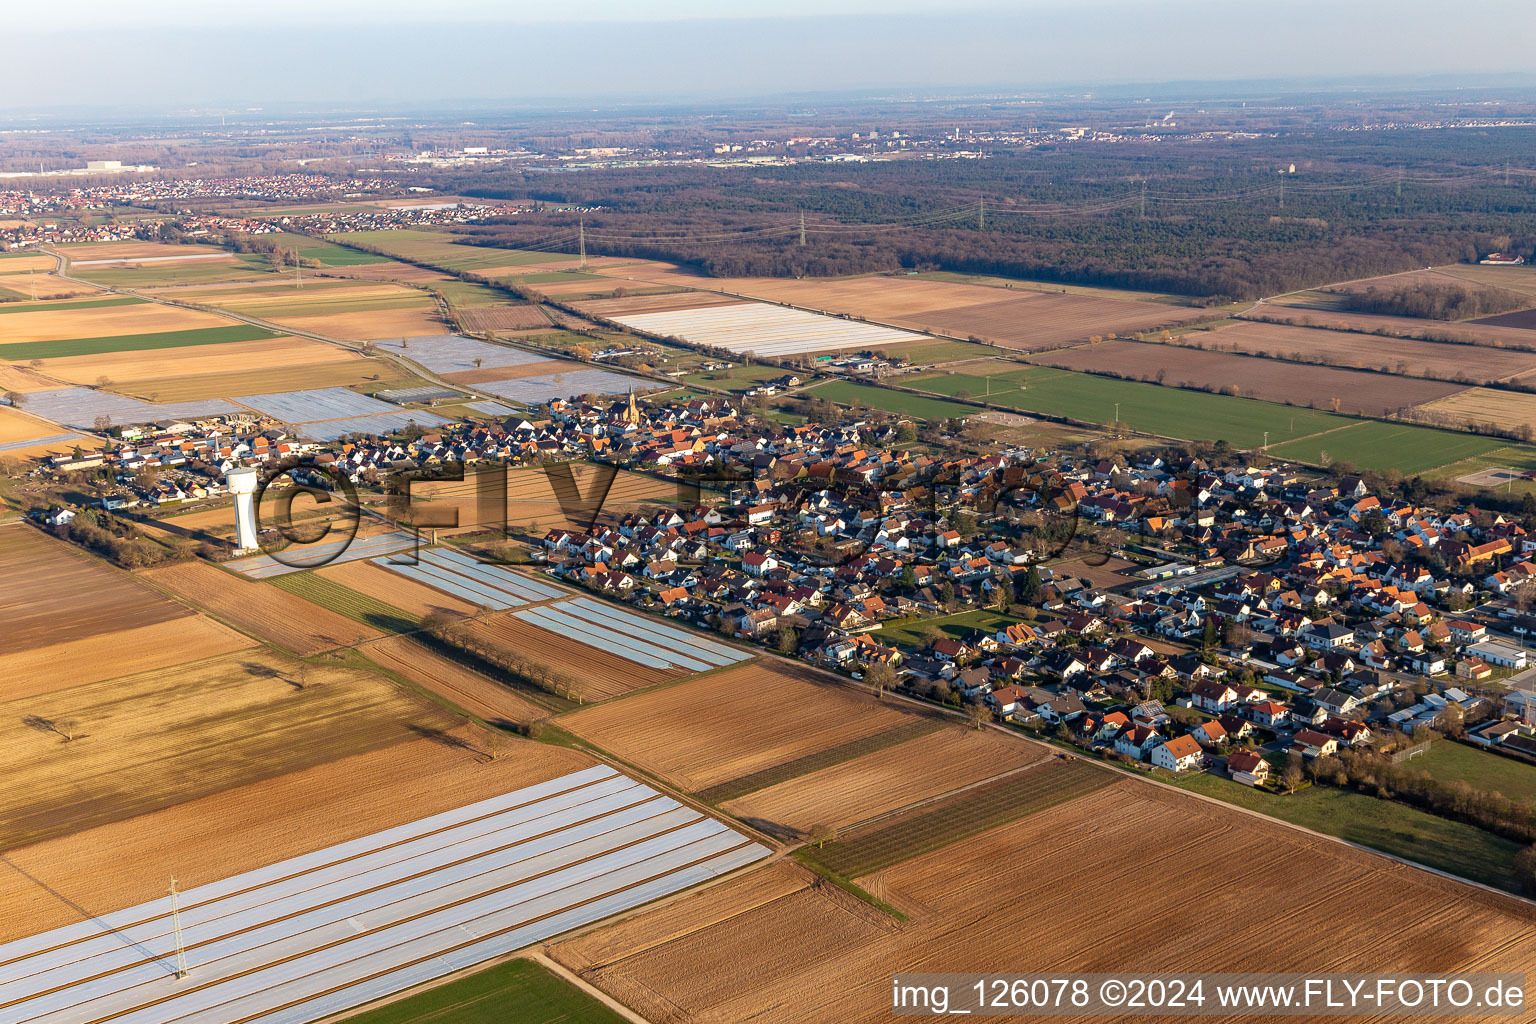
x: 823, y: 834
x: 978, y: 713
x: 880, y: 677
x: 66, y: 727
x: 15, y: 399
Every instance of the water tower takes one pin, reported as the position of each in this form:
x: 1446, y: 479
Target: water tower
x: 241, y: 482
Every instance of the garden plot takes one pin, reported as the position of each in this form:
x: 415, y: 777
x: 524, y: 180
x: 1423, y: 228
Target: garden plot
x: 451, y: 353
x: 546, y: 387
x: 632, y: 637
x: 82, y: 407
x: 318, y: 934
x: 763, y: 330
x: 454, y: 572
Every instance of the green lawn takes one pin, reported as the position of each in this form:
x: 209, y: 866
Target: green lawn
x: 345, y: 601
x: 909, y: 631
x: 35, y: 307
x: 846, y: 393
x: 740, y: 377
x: 1449, y: 761
x: 988, y: 387
x: 920, y: 352
x: 23, y: 350
x: 1373, y: 444
x: 516, y: 992
x: 463, y: 293
x: 1380, y: 824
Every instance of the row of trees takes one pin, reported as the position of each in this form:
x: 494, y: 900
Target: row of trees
x: 456, y: 634
x: 1434, y: 301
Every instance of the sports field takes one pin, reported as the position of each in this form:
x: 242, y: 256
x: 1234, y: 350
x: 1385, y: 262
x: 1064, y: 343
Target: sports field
x: 848, y: 393
x: 1372, y: 444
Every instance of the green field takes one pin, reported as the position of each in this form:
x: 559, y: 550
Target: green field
x: 920, y: 352
x: 516, y: 992
x: 740, y: 377
x: 249, y: 266
x: 1373, y: 444
x: 440, y: 250
x: 986, y: 388
x: 1380, y: 824
x: 345, y: 601
x: 21, y: 350
x: 37, y: 307
x: 971, y: 813
x: 1449, y: 761
x: 909, y: 631
x: 463, y: 293
x: 846, y: 393
x: 328, y: 253
x: 733, y: 788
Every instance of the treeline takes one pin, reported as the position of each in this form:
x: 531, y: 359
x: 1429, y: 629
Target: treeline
x: 1434, y: 301
x: 1377, y: 776
x: 453, y: 634
x: 116, y: 540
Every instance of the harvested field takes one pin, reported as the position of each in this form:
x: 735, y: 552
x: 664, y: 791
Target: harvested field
x: 1442, y: 360
x: 497, y: 704
x: 563, y: 496
x: 16, y: 378
x: 503, y: 318
x: 820, y: 760
x: 1034, y: 321
x: 404, y: 273
x: 192, y: 387
x: 1505, y: 410
x: 700, y: 733
x: 55, y: 593
x: 885, y: 781
x: 750, y: 950
x: 64, y: 880
x: 43, y: 286
x: 105, y: 322
x: 158, y: 738
x: 1398, y: 326
x: 371, y: 326
x: 661, y: 303
x: 1524, y: 319
x: 597, y: 675
x: 1346, y: 391
x: 17, y: 429
x: 407, y: 595
x: 243, y: 356
x: 316, y: 298
x: 90, y: 659
x: 100, y: 251
x: 886, y: 841
x: 261, y: 609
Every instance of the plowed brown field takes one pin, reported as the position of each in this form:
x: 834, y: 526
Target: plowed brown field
x: 371, y: 326
x: 726, y: 954
x: 261, y: 609
x: 239, y: 356
x: 888, y: 779
x: 54, y: 593
x: 732, y: 723
x: 654, y: 303
x: 67, y: 879
x: 90, y: 659
x: 1353, y: 391
x: 598, y: 674
x: 105, y: 322
x: 1480, y: 363
x: 503, y: 318
x: 1033, y: 321
x: 393, y: 589
x: 134, y: 250
x: 1405, y: 326
x: 158, y: 738
x: 471, y: 691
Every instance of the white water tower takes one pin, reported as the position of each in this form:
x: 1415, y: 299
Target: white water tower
x: 241, y: 482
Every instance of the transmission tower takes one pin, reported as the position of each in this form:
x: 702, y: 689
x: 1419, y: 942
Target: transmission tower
x: 1143, y: 200
x: 582, y: 230
x: 981, y: 214
x: 181, y: 946
x: 802, y: 227
x: 1282, y: 190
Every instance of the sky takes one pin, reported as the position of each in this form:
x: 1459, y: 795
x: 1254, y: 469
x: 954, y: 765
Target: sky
x: 179, y: 55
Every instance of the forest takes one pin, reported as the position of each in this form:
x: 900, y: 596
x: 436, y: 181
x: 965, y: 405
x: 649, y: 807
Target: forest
x: 1213, y: 221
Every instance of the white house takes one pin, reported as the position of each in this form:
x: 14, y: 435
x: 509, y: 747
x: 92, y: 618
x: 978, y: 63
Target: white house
x: 1178, y: 754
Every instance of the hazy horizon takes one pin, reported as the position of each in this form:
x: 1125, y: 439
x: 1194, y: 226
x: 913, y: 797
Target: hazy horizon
x: 178, y: 55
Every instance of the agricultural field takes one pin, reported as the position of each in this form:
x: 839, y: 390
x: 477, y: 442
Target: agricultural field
x: 763, y: 330
x: 28, y: 350
x: 23, y: 435
x: 452, y: 353
x: 374, y: 325
x: 494, y: 703
x: 516, y: 992
x: 899, y: 403
x: 1449, y: 761
x: 741, y: 377
x: 461, y: 576
x: 193, y: 361
x: 106, y: 751
x: 1441, y: 360
x: 1504, y: 410
x: 595, y: 675
x: 540, y: 388
x: 177, y: 272
x: 540, y: 498
x: 341, y: 373
x: 68, y: 321
x: 343, y: 600
x: 503, y: 318
x: 883, y: 781
x: 706, y: 731
x: 642, y: 639
x: 92, y: 253
x: 327, y: 253
x: 1399, y: 447
x: 1349, y: 391
x: 440, y: 250
x: 260, y: 609
x: 253, y: 825
x: 710, y: 955
x: 280, y: 299
x: 1465, y: 332
x: 439, y: 895
x: 1036, y: 321
x: 660, y: 302
x: 414, y: 599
